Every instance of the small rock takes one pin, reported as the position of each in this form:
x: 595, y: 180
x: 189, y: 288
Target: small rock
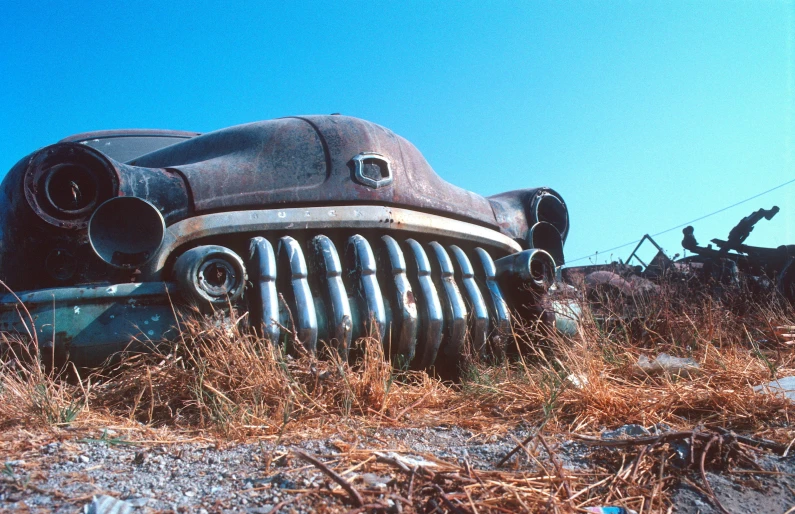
x: 659, y: 428
x: 260, y: 510
x: 50, y: 448
x: 189, y: 494
x: 375, y: 481
x: 681, y: 456
x: 281, y: 481
x: 84, y: 459
x: 626, y: 431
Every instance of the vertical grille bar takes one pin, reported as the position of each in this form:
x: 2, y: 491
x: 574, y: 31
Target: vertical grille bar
x: 334, y: 293
x: 265, y: 303
x: 364, y: 284
x: 404, y: 323
x: 455, y: 310
x: 430, y: 311
x: 486, y: 272
x: 294, y: 285
x: 479, y: 322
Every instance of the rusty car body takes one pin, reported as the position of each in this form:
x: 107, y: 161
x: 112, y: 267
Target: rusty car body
x: 326, y: 227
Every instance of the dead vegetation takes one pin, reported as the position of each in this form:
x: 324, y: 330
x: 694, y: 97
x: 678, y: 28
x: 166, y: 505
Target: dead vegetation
x: 220, y: 380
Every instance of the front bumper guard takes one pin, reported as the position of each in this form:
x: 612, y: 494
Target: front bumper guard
x: 89, y: 324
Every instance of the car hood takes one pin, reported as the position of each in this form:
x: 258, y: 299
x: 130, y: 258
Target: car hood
x: 309, y: 160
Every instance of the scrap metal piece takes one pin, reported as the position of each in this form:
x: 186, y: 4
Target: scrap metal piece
x: 334, y: 294
x: 123, y: 317
x: 404, y: 320
x: 431, y: 313
x: 364, y: 285
x: 610, y: 281
x: 264, y: 302
x: 295, y: 288
x: 743, y: 229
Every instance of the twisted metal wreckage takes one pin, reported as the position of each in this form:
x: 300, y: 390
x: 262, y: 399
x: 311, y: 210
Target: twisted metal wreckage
x: 732, y: 266
x: 326, y: 225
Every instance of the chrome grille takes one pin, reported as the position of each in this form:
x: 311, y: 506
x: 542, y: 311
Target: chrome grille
x: 424, y: 300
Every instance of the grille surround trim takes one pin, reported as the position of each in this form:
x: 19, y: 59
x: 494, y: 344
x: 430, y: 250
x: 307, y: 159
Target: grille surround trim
x: 359, y: 217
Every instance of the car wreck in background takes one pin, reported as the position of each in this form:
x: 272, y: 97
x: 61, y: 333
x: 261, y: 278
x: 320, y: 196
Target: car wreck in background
x: 731, y: 267
x: 323, y: 228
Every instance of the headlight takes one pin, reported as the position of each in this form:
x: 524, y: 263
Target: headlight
x: 64, y: 183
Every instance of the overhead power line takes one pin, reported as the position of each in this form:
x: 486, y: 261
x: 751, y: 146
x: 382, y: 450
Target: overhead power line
x: 686, y: 223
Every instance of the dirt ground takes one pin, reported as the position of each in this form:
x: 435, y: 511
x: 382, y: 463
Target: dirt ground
x: 64, y: 470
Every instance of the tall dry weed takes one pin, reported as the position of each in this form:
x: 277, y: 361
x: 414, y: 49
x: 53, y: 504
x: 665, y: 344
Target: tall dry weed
x: 591, y: 380
x: 221, y: 377
x: 33, y: 393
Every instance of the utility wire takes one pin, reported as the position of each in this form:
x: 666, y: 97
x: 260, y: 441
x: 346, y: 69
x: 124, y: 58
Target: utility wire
x: 686, y: 223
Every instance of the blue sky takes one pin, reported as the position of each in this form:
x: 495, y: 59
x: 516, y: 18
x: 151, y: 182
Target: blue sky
x: 643, y: 115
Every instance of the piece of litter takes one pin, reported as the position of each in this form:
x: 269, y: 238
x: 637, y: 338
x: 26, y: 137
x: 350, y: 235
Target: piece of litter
x: 577, y: 380
x: 782, y: 386
x: 665, y: 363
x: 411, y: 462
x: 610, y: 510
x: 104, y: 504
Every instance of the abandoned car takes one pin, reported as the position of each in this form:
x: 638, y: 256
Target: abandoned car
x: 328, y: 228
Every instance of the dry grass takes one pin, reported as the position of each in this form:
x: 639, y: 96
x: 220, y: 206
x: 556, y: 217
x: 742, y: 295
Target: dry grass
x: 31, y: 394
x: 223, y: 381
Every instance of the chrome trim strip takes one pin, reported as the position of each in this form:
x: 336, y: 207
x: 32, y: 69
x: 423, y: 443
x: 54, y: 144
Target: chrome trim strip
x: 316, y: 218
x: 88, y: 294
